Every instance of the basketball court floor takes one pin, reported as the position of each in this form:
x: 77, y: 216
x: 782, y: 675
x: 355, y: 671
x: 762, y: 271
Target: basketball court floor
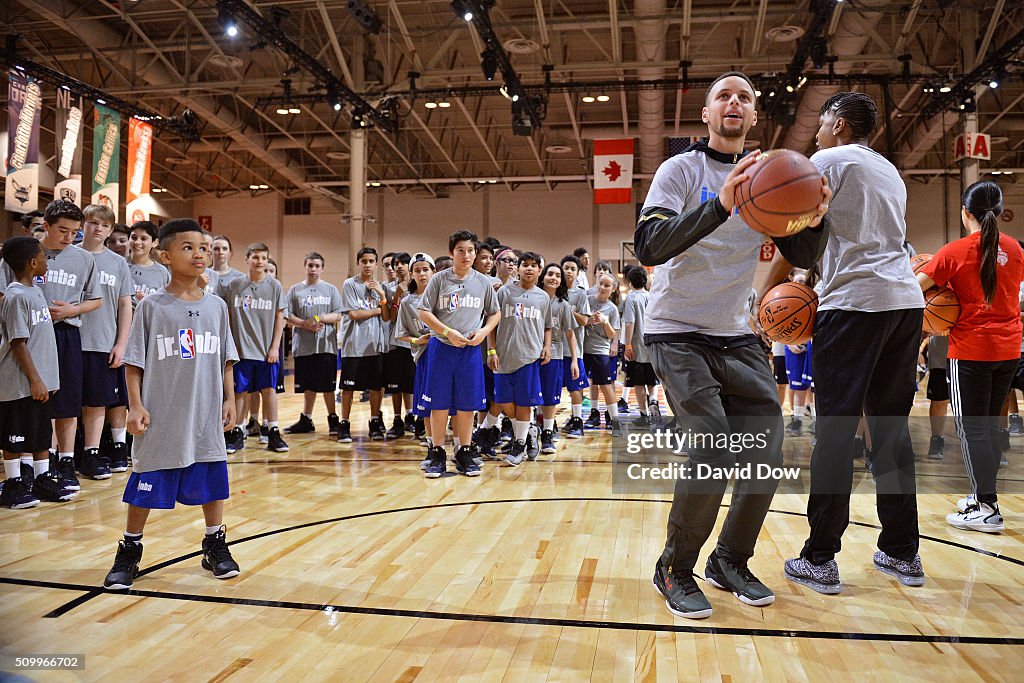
x: 356, y: 568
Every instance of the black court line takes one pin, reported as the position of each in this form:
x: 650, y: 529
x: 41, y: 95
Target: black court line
x: 93, y: 591
x: 546, y: 621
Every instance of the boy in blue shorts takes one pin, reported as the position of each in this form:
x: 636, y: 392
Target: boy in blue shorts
x: 519, y: 344
x: 256, y: 306
x: 575, y: 382
x: 460, y: 308
x: 179, y: 381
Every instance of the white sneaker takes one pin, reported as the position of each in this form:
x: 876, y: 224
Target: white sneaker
x: 978, y: 517
x: 965, y: 503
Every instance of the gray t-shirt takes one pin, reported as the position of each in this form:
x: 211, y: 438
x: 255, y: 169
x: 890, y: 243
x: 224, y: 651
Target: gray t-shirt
x: 578, y: 303
x: 147, y: 279
x: 462, y: 305
x: 864, y: 267
x: 306, y: 301
x: 409, y: 324
x: 232, y: 274
x: 562, y: 321
x: 25, y: 315
x: 519, y: 337
x: 69, y: 277
x: 99, y: 327
x: 253, y: 308
x: 214, y: 281
x: 938, y: 350
x: 635, y: 311
x: 360, y: 338
x: 594, y: 341
x: 183, y: 348
x: 705, y: 288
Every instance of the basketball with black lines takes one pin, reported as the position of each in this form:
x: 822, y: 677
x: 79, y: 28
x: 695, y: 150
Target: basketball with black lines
x: 941, y: 309
x: 919, y: 261
x: 781, y: 193
x: 787, y: 313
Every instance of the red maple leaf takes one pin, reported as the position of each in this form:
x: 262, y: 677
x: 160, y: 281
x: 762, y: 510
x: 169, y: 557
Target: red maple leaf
x: 612, y: 170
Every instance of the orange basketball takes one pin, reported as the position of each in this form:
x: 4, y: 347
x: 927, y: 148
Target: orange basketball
x: 941, y: 309
x: 781, y: 194
x: 787, y: 313
x: 918, y: 262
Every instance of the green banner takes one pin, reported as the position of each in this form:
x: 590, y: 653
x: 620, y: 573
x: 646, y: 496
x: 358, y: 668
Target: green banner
x: 106, y: 157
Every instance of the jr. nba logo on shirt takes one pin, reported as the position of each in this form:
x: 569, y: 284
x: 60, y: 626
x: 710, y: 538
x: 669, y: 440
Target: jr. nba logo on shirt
x: 453, y: 301
x: 187, y: 344
x: 519, y: 310
x: 246, y: 302
x: 41, y: 316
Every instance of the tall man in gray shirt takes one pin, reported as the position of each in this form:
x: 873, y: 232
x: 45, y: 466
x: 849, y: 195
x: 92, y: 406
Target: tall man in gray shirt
x: 702, y: 350
x: 866, y: 339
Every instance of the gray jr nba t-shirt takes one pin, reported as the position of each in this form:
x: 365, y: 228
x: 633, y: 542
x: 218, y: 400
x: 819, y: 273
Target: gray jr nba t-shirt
x: 24, y: 314
x: 69, y: 278
x: 594, y: 341
x: 410, y: 325
x: 306, y: 301
x: 99, y: 327
x: 519, y: 336
x: 147, y: 279
x: 865, y: 267
x: 253, y: 307
x: 183, y: 348
x: 635, y: 311
x: 461, y: 304
x: 578, y: 303
x: 360, y: 338
x: 705, y: 288
x: 562, y: 321
x: 213, y: 281
x: 232, y: 274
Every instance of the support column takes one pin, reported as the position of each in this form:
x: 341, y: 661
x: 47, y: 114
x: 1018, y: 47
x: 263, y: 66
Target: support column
x: 968, y: 52
x: 357, y: 195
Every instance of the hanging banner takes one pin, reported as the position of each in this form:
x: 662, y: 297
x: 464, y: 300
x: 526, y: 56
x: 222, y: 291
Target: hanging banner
x: 24, y: 102
x: 613, y: 171
x: 106, y: 158
x: 140, y: 148
x: 68, y: 177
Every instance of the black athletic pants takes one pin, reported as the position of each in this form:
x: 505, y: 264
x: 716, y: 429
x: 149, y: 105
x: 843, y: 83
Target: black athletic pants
x: 719, y: 386
x: 977, y: 390
x: 864, y: 362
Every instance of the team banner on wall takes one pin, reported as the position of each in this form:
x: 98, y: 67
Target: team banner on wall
x: 24, y: 102
x: 68, y: 177
x: 106, y: 146
x: 613, y: 171
x: 140, y: 148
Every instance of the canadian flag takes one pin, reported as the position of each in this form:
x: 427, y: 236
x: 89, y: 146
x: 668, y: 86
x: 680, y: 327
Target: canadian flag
x: 613, y: 171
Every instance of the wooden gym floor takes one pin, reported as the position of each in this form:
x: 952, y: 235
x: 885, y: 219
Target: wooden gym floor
x: 356, y: 568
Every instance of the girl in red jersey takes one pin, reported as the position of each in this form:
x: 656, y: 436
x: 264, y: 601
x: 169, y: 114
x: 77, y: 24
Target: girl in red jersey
x: 985, y: 270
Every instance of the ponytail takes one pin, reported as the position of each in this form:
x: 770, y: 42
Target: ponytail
x: 984, y: 201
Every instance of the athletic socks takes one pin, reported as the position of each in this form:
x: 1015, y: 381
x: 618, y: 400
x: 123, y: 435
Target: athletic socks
x: 549, y: 425
x: 12, y: 468
x: 270, y: 425
x: 491, y: 421
x: 613, y: 411
x: 211, y: 530
x: 577, y: 410
x: 521, y: 429
x: 132, y: 538
x: 119, y: 435
x: 41, y: 467
x: 66, y: 455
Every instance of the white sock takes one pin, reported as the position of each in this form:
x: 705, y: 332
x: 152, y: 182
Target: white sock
x: 27, y: 460
x: 12, y: 468
x: 577, y: 410
x: 613, y: 411
x: 307, y: 415
x: 798, y: 412
x: 66, y: 455
x: 271, y: 425
x: 521, y: 429
x: 491, y: 421
x: 119, y: 435
x: 211, y: 530
x: 549, y: 425
x: 134, y: 538
x: 40, y: 467
x: 457, y: 442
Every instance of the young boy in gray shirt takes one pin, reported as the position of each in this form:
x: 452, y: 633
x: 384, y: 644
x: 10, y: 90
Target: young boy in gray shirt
x: 181, y: 398
x: 28, y: 375
x: 602, y: 328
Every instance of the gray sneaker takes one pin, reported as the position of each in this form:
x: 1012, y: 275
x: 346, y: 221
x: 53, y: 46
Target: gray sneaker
x: 823, y: 578
x: 907, y: 573
x: 683, y: 596
x: 516, y: 454
x: 739, y: 580
x: 1016, y: 425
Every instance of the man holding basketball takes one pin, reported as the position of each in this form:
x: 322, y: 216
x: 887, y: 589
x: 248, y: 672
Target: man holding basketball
x: 866, y: 339
x: 715, y: 375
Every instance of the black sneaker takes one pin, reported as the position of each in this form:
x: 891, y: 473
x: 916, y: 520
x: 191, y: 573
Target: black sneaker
x: 607, y: 420
x: 643, y: 421
x: 344, y: 431
x: 92, y: 465
x: 119, y: 457
x: 397, y: 430
x: 217, y: 556
x: 1004, y: 439
x: 304, y: 425
x: 574, y: 428
x: 421, y: 429
x: 547, y: 443
x: 616, y: 427
x: 410, y: 424
x: 252, y: 428
x: 66, y: 469
x: 683, y: 596
x: 738, y: 579
x: 623, y: 406
x: 364, y: 397
x: 594, y: 421
x: 795, y: 427
x: 935, y: 447
x: 28, y: 472
x: 464, y: 463
x: 274, y: 441
x: 16, y: 495
x: 126, y: 566
x: 515, y: 453
x: 376, y: 429
x: 235, y: 440
x: 50, y: 487
x: 507, y: 432
x: 436, y: 467
x: 332, y: 424
x: 264, y: 433
x: 532, y: 442
x: 859, y: 447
